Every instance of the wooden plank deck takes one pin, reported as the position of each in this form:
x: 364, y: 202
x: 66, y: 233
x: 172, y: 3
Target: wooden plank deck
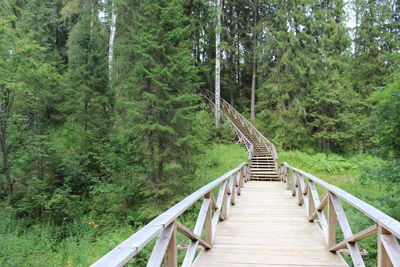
x: 266, y: 227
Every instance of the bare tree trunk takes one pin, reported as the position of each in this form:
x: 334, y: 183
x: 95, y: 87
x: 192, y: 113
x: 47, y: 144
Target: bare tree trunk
x: 113, y: 28
x: 238, y: 55
x: 254, y: 74
x: 218, y: 65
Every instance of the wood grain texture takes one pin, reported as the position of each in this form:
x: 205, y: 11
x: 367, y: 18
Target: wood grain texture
x: 267, y: 228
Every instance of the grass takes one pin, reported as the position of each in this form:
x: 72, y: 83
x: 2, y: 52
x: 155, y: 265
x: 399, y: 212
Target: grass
x: 46, y: 245
x: 218, y: 160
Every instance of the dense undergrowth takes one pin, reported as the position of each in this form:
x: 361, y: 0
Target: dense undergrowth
x: 82, y: 242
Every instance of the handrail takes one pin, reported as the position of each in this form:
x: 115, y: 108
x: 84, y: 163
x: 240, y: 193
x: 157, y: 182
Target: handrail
x: 270, y: 146
x: 387, y: 228
x: 242, y: 137
x: 166, y: 224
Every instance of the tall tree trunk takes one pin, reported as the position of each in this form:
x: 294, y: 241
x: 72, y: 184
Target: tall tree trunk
x: 254, y: 72
x: 113, y: 28
x: 238, y: 53
x: 218, y: 65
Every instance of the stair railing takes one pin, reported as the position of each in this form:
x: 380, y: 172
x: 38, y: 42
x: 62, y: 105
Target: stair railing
x: 166, y: 226
x: 329, y: 211
x: 241, y: 136
x: 253, y: 130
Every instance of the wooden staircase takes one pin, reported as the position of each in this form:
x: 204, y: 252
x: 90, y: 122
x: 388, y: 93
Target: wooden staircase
x: 263, y: 168
x: 263, y: 165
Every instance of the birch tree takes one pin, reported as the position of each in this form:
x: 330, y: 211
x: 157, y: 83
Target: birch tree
x: 218, y: 65
x: 254, y: 69
x: 113, y: 28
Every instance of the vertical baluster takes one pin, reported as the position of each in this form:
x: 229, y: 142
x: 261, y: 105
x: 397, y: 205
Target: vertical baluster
x: 233, y: 189
x: 224, y: 212
x: 294, y: 181
x: 171, y: 256
x: 383, y: 257
x: 240, y: 181
x: 331, y: 222
x: 311, y: 204
x: 208, y: 222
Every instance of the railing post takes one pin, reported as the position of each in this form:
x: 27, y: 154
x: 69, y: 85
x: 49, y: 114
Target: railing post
x: 383, y: 257
x: 311, y: 205
x: 171, y: 254
x: 224, y: 206
x: 208, y: 222
x: 239, y: 190
x: 331, y: 222
x: 294, y: 180
x: 233, y: 189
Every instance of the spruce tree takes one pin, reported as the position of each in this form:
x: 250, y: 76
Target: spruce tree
x: 288, y: 58
x: 376, y: 42
x: 157, y: 94
x: 329, y: 95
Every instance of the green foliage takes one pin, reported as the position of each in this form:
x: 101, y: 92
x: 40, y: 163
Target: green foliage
x: 88, y: 237
x: 326, y: 165
x: 387, y: 179
x: 386, y: 118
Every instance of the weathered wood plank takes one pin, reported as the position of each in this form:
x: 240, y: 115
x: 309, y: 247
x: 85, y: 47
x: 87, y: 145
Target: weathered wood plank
x: 189, y: 234
x: 356, y: 237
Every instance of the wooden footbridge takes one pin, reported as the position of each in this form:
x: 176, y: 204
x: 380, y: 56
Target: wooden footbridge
x: 262, y: 213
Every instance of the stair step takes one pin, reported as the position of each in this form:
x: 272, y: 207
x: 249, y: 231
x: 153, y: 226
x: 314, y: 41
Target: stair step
x: 264, y: 179
x: 264, y: 174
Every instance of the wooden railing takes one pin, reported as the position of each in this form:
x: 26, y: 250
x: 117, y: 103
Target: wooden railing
x: 230, y: 112
x: 304, y: 187
x: 166, y: 226
x: 209, y: 99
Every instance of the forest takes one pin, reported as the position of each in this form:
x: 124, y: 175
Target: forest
x: 102, y: 126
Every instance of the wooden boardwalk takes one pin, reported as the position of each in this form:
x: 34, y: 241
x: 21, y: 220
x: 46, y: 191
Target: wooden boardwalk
x: 260, y: 223
x: 266, y: 227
